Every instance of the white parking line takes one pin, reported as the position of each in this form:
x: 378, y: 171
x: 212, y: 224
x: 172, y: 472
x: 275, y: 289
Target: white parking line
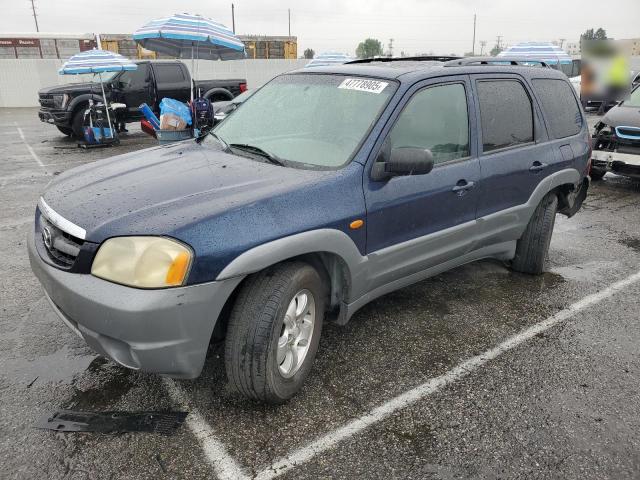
x: 331, y: 439
x: 31, y: 151
x: 224, y: 465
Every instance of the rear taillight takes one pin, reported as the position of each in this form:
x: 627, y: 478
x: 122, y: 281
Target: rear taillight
x: 243, y: 87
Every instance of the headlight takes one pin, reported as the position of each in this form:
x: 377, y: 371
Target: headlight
x: 60, y: 101
x: 143, y: 262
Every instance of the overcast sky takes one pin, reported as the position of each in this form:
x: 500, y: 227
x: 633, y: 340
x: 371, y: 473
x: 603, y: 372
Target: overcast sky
x: 417, y: 26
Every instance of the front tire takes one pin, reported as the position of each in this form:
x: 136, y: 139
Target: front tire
x: 532, y: 247
x: 68, y: 131
x: 77, y: 123
x: 274, y: 331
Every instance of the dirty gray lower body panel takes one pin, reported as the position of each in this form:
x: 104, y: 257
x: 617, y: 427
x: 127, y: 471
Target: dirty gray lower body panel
x: 164, y: 331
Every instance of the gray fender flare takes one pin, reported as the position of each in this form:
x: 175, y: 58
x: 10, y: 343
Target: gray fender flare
x: 314, y: 241
x: 82, y: 99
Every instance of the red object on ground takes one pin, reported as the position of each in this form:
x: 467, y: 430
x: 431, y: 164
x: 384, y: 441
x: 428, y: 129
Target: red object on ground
x: 147, y: 128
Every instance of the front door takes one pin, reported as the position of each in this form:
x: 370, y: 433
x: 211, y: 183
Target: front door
x: 416, y: 222
x: 134, y: 88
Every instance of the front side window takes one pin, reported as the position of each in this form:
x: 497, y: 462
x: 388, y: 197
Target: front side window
x: 308, y: 120
x: 560, y: 106
x: 436, y: 119
x: 506, y: 114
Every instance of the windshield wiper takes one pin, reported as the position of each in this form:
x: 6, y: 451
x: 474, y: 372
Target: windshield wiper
x: 258, y: 151
x: 225, y: 145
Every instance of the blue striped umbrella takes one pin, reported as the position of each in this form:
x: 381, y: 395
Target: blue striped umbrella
x: 544, y: 51
x: 96, y: 61
x: 329, y: 58
x: 180, y: 34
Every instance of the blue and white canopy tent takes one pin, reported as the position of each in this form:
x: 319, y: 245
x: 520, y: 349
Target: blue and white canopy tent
x: 97, y: 62
x: 542, y: 51
x: 184, y: 35
x: 329, y: 58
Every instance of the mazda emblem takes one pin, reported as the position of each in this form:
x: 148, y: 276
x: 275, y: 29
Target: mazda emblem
x: 46, y: 237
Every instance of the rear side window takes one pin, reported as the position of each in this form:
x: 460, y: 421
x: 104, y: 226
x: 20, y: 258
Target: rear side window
x: 436, y: 119
x: 506, y: 114
x: 169, y: 73
x: 559, y: 105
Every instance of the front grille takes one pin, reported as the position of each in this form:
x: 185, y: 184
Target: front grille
x: 46, y: 100
x: 62, y: 247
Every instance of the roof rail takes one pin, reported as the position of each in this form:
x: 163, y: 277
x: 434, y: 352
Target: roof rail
x: 496, y: 61
x: 421, y: 58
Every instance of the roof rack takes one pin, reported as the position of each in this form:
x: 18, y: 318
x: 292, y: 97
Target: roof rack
x: 422, y: 58
x: 496, y: 61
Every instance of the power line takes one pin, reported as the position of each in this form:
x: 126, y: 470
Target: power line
x: 35, y: 17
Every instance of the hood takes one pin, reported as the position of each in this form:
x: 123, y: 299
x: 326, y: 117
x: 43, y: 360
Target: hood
x: 622, y: 115
x: 75, y: 88
x: 164, y: 189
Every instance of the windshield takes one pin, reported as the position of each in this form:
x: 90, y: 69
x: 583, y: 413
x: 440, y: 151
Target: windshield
x: 315, y: 120
x: 634, y: 99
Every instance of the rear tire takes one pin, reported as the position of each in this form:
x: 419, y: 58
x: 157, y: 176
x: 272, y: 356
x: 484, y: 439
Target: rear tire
x: 270, y: 346
x: 532, y: 248
x: 597, y: 174
x: 68, y: 131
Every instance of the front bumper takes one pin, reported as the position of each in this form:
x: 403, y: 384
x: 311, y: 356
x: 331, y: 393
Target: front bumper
x: 165, y: 331
x: 621, y: 163
x: 55, y: 117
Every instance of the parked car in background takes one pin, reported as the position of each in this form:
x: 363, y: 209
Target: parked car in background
x: 64, y: 105
x: 223, y: 108
x: 323, y: 192
x: 616, y: 140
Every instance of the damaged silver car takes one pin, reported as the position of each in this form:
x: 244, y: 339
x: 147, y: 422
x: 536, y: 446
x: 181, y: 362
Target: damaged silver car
x: 616, y: 140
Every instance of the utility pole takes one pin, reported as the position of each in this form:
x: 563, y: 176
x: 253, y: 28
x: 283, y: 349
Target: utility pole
x: 391, y: 47
x: 35, y: 17
x: 289, y: 12
x: 498, y: 41
x: 473, y: 48
x: 483, y: 43
x: 233, y: 18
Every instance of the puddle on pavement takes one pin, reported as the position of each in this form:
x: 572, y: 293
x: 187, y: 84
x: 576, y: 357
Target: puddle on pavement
x: 101, y: 387
x: 631, y: 242
x: 585, y: 271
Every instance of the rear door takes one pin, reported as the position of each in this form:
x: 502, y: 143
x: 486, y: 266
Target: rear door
x: 172, y: 81
x: 514, y: 153
x: 418, y: 221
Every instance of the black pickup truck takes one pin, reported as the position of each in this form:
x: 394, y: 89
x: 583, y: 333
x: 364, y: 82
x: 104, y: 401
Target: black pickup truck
x: 64, y: 105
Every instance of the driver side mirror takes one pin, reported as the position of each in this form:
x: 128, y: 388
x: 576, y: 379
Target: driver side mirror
x: 403, y: 161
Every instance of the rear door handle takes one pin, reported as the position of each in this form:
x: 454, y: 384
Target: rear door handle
x: 462, y: 186
x: 537, y: 166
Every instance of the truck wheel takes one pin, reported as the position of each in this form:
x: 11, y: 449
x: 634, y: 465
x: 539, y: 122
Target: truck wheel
x: 532, y: 247
x: 274, y: 330
x: 77, y: 123
x: 597, y: 174
x: 65, y: 130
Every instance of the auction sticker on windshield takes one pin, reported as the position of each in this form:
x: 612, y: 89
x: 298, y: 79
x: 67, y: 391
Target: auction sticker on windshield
x: 363, y: 85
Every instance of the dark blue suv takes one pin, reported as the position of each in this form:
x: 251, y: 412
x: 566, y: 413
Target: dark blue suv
x: 326, y: 189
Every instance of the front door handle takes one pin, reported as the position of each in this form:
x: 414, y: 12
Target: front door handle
x: 537, y: 166
x: 462, y: 186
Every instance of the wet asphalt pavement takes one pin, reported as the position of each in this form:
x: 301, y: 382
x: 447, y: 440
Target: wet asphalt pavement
x: 565, y: 404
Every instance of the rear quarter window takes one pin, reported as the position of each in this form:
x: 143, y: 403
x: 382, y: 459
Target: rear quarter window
x: 169, y: 73
x: 559, y: 105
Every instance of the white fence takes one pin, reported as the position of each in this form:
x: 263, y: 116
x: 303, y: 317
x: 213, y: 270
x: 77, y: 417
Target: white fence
x: 20, y: 79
